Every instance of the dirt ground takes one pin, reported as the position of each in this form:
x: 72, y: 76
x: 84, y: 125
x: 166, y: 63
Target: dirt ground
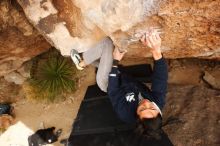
x: 61, y: 114
x: 193, y: 110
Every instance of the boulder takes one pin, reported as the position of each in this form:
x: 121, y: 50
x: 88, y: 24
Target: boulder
x: 19, y: 40
x: 212, y: 78
x: 5, y: 121
x: 14, y: 77
x: 196, y: 110
x: 9, y: 92
x: 25, y: 69
x: 190, y: 28
x: 62, y: 24
x: 185, y: 76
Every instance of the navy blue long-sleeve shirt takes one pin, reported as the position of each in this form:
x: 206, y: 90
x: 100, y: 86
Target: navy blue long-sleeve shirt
x: 124, y: 91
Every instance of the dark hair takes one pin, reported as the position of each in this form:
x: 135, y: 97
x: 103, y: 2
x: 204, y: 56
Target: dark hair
x: 150, y: 128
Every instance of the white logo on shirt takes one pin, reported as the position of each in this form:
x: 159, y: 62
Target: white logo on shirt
x: 130, y: 97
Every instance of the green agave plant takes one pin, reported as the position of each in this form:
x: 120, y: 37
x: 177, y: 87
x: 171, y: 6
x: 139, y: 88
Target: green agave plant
x: 54, y: 77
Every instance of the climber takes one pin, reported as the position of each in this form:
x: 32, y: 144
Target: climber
x: 100, y: 56
x: 132, y: 100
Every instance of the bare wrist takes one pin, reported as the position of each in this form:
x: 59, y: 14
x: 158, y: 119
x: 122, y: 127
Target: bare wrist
x: 157, y: 55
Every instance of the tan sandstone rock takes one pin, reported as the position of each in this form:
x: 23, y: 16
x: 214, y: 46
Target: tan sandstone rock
x: 62, y: 24
x: 212, y: 78
x: 19, y: 41
x: 191, y: 28
x: 6, y: 121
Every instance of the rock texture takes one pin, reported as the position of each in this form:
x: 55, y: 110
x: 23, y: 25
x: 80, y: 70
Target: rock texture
x: 195, y: 114
x: 191, y: 28
x: 62, y: 24
x: 9, y: 92
x: 213, y: 79
x: 5, y: 121
x: 194, y: 72
x: 19, y: 41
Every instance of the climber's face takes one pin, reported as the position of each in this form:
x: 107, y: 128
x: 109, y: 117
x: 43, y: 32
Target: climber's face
x: 146, y: 109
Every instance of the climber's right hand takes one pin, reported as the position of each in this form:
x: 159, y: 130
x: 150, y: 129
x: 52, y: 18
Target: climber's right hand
x: 153, y: 41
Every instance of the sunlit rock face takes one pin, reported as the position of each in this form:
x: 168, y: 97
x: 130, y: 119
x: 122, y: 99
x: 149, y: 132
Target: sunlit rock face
x: 114, y: 15
x: 80, y: 24
x: 190, y: 28
x: 19, y: 41
x: 62, y: 24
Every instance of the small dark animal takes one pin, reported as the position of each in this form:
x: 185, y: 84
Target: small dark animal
x: 44, y: 136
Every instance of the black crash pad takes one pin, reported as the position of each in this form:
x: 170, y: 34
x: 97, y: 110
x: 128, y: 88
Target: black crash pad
x: 141, y: 72
x: 98, y: 125
x: 94, y: 92
x: 123, y: 138
x: 97, y: 116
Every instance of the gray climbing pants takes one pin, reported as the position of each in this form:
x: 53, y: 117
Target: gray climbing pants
x: 101, y: 56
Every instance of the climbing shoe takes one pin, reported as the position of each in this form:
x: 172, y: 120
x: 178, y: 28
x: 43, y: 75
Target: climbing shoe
x: 76, y: 59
